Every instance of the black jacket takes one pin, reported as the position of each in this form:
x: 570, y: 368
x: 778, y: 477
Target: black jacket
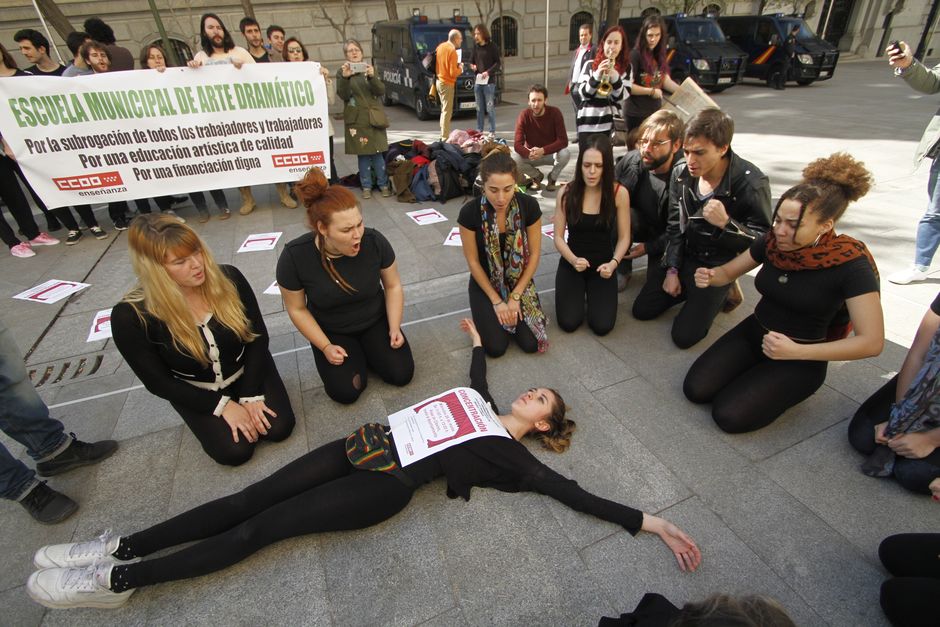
x: 649, y: 210
x: 745, y: 193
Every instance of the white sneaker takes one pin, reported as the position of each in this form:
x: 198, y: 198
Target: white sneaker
x: 63, y: 588
x: 76, y: 554
x: 911, y: 275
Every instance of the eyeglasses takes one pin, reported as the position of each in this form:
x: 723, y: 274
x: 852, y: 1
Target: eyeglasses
x: 295, y: 50
x: 655, y: 143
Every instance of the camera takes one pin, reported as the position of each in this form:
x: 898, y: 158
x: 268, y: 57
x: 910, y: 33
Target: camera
x: 358, y: 68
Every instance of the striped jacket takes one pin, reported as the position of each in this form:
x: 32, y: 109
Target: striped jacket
x: 596, y: 114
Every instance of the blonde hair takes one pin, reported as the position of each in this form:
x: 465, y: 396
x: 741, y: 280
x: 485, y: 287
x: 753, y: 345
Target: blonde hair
x: 150, y: 239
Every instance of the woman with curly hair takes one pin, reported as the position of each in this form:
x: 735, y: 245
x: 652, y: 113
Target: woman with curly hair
x: 193, y: 334
x: 650, y: 72
x: 815, y: 287
x: 327, y: 490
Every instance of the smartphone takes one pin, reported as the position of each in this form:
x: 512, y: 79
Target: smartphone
x: 358, y: 68
x: 896, y: 46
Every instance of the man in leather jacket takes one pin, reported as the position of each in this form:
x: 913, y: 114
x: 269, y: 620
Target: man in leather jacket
x: 646, y: 172
x: 718, y: 205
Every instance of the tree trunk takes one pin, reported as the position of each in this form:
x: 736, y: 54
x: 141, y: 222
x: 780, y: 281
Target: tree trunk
x: 248, y: 9
x: 392, y: 9
x: 56, y: 18
x: 613, y: 13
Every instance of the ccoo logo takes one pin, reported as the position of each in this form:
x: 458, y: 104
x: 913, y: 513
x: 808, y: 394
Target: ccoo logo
x: 298, y: 158
x: 89, y: 181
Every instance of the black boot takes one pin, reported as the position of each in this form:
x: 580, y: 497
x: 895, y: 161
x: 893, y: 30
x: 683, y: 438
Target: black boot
x: 77, y: 454
x: 48, y: 506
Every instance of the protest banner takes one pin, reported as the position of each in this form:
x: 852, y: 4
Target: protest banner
x: 127, y: 135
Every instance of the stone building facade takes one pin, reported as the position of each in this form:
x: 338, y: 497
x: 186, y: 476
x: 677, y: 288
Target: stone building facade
x: 323, y: 25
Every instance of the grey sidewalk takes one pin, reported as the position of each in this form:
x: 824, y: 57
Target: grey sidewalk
x: 783, y: 511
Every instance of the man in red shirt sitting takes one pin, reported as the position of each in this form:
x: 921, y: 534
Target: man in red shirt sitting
x: 541, y: 139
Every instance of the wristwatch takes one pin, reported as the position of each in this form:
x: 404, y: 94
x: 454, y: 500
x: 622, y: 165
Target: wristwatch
x: 516, y: 297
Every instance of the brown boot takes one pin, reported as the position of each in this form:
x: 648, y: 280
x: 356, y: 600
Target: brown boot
x: 248, y: 201
x: 735, y: 297
x: 284, y: 194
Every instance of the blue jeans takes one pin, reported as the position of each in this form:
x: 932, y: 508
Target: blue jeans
x: 486, y: 103
x: 25, y: 418
x: 367, y: 163
x: 928, y: 230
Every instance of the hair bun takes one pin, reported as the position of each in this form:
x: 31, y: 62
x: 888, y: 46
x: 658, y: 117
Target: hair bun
x: 843, y: 170
x: 312, y: 186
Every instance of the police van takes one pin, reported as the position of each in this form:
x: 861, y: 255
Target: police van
x: 764, y: 37
x: 401, y: 55
x: 696, y: 47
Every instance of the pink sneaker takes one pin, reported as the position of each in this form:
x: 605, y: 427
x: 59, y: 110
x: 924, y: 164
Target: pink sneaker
x: 43, y: 239
x: 22, y: 250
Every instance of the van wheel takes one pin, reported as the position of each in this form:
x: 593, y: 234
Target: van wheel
x: 718, y: 90
x: 803, y: 82
x: 773, y: 76
x: 421, y: 108
x: 386, y: 100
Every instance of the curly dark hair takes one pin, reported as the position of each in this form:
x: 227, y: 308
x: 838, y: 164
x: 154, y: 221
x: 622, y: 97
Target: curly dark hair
x: 829, y: 184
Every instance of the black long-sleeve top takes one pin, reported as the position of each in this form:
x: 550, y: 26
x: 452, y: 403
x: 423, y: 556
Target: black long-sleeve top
x: 486, y: 58
x: 508, y: 466
x: 147, y: 346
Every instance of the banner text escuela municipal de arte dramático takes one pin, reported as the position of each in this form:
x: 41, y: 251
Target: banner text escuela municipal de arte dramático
x: 140, y: 134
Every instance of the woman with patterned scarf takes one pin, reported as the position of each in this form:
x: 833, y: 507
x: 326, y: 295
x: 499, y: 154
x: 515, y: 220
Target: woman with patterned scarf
x: 815, y: 287
x: 898, y: 427
x: 501, y: 236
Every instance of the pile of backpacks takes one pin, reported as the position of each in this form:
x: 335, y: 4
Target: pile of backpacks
x: 440, y: 171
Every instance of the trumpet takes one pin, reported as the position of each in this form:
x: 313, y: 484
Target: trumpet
x: 604, y: 89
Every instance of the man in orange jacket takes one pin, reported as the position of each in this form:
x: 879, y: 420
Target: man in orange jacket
x: 448, y: 69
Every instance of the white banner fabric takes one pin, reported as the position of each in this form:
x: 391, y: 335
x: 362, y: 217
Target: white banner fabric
x: 126, y: 135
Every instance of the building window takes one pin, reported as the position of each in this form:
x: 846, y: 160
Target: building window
x: 712, y: 10
x: 650, y: 11
x: 507, y: 34
x: 579, y: 18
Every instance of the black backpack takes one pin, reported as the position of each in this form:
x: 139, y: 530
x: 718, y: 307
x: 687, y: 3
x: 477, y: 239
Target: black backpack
x: 449, y: 179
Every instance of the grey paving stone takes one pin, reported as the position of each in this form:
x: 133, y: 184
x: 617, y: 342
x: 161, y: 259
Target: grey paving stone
x: 392, y: 573
x: 856, y: 380
x: 21, y: 537
x: 19, y: 609
x: 625, y: 567
x: 823, y: 473
x: 822, y: 566
x: 67, y: 338
x: 145, y: 413
x: 509, y: 563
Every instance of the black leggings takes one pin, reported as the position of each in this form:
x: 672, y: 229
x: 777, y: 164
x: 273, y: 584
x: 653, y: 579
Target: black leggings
x: 747, y: 389
x: 215, y: 435
x: 913, y: 474
x: 701, y: 306
x: 369, y: 348
x: 16, y: 203
x: 318, y: 492
x: 495, y: 338
x: 571, y: 289
x: 910, y: 597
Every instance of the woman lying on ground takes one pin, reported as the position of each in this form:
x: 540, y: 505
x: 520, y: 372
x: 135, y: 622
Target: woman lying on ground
x: 898, y: 427
x: 342, y: 290
x: 193, y: 334
x: 322, y: 491
x: 595, y: 210
x: 777, y: 356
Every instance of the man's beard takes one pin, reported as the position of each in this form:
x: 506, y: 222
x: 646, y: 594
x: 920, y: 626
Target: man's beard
x: 658, y: 163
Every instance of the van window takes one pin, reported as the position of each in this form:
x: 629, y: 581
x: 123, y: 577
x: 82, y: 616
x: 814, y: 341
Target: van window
x: 805, y: 31
x: 737, y: 29
x: 765, y: 32
x: 700, y: 31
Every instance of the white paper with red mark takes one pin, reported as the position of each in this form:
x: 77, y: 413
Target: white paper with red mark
x: 52, y: 291
x: 426, y: 216
x: 549, y: 231
x: 273, y: 290
x: 453, y: 238
x: 100, y: 326
x: 443, y: 421
x: 259, y: 241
